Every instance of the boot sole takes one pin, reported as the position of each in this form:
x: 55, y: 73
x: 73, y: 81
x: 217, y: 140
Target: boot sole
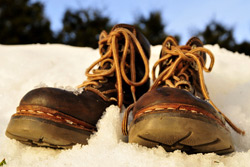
x: 192, y: 133
x: 37, y: 131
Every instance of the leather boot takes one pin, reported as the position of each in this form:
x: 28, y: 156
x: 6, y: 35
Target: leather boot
x: 57, y: 118
x: 176, y: 112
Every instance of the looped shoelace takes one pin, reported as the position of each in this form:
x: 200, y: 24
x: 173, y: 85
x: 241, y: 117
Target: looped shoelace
x: 117, y: 64
x: 183, y: 53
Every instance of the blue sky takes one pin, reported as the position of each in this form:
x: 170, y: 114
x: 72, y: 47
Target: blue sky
x: 181, y: 17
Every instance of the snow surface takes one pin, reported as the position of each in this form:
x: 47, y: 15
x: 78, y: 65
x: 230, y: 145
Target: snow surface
x: 24, y: 67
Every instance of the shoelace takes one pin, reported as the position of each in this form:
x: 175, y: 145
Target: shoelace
x: 183, y: 53
x: 117, y: 64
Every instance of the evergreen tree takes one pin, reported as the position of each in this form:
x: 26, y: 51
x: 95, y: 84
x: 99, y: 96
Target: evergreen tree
x: 153, y: 28
x: 82, y: 27
x: 22, y: 23
x: 216, y: 33
x: 243, y: 48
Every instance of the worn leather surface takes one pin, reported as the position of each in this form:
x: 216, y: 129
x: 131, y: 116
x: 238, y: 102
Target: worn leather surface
x: 88, y: 106
x: 177, y: 97
x: 168, y: 96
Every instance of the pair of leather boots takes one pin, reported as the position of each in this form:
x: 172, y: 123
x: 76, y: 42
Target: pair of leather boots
x: 174, y: 112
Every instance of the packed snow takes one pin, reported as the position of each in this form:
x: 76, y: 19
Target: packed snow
x: 25, y: 67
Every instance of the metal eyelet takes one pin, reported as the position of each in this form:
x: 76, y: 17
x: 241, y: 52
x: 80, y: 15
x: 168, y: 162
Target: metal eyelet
x: 194, y: 46
x: 194, y: 65
x: 97, y: 86
x: 103, y: 81
x: 168, y: 45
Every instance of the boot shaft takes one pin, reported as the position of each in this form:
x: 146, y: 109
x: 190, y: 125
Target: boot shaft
x: 122, y: 74
x: 185, y: 74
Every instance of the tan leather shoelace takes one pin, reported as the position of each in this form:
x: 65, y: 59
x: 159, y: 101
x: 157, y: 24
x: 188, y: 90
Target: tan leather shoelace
x: 117, y: 64
x: 187, y: 54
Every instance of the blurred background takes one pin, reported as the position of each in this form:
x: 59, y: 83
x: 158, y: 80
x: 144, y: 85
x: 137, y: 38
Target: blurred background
x: 79, y: 22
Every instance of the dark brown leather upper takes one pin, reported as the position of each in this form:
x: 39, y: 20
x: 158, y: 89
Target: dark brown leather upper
x: 166, y: 95
x: 143, y: 40
x: 88, y: 106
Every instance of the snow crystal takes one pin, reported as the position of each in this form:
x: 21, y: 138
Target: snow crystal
x: 26, y: 67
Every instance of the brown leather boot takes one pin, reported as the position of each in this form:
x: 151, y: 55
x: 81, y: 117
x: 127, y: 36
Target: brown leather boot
x: 177, y: 112
x: 57, y: 118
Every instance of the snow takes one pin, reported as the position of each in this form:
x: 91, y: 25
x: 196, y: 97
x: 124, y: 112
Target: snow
x: 24, y: 67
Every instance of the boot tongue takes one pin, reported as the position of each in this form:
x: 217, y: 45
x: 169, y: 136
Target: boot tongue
x: 127, y: 26
x: 188, y: 77
x: 141, y: 38
x: 196, y: 42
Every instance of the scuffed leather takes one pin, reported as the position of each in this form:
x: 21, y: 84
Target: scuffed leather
x: 166, y: 95
x: 89, y: 106
x: 86, y: 106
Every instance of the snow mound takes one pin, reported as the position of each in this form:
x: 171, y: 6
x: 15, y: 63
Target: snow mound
x: 24, y: 67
